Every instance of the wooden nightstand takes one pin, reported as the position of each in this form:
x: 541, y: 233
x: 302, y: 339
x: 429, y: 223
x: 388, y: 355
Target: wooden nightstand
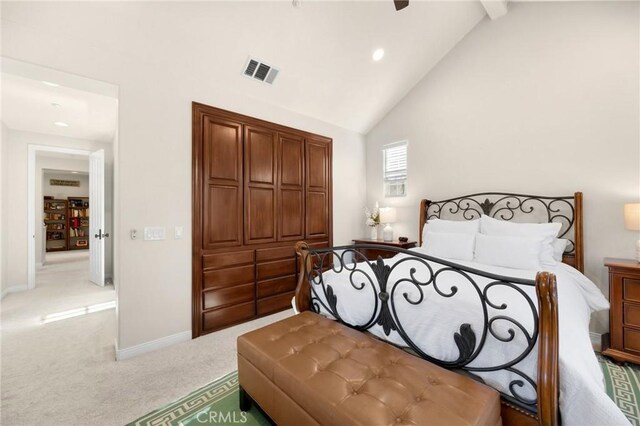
x: 372, y: 254
x: 624, y: 315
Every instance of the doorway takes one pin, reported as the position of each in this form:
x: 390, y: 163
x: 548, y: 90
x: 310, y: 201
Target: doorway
x: 63, y: 210
x: 59, y: 145
x: 67, y: 210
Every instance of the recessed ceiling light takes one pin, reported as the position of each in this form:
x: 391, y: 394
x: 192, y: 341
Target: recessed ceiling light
x: 55, y: 105
x: 48, y: 83
x: 378, y: 54
x: 61, y: 124
x: 75, y: 173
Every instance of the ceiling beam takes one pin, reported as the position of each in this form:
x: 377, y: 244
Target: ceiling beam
x: 495, y: 8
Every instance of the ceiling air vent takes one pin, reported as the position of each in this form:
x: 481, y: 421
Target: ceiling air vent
x: 260, y: 71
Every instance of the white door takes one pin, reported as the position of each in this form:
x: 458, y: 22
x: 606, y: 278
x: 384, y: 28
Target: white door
x: 97, y: 232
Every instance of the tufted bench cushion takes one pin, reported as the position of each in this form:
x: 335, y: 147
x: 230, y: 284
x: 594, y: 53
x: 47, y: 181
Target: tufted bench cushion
x: 307, y: 369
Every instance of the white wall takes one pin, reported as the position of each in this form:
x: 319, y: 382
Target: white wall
x: 4, y: 284
x: 154, y: 152
x: 44, y: 188
x: 14, y: 160
x: 545, y: 101
x: 63, y: 192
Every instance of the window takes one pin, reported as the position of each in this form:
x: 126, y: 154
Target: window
x: 395, y: 169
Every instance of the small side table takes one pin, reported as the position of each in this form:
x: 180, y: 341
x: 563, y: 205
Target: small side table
x: 623, y: 342
x: 372, y: 254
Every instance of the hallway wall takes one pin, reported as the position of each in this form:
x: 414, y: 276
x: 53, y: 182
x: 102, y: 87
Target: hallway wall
x: 64, y: 192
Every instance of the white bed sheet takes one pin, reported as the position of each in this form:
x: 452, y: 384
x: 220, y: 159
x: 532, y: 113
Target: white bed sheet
x: 431, y: 325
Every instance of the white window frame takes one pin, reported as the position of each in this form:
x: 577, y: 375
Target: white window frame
x: 395, y: 187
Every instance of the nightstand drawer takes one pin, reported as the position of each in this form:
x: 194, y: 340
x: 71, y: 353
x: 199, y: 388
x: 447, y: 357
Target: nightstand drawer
x: 623, y: 342
x: 631, y: 289
x: 372, y: 254
x: 631, y: 315
x: 631, y: 340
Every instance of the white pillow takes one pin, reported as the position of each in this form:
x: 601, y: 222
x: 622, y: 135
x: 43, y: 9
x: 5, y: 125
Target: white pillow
x: 449, y: 245
x: 559, y: 246
x: 450, y: 227
x: 545, y: 231
x: 508, y: 251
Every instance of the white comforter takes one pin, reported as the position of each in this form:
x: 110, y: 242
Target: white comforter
x: 432, y: 323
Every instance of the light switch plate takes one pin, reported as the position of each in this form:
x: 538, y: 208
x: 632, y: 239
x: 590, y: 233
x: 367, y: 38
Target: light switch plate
x: 179, y: 232
x: 155, y: 233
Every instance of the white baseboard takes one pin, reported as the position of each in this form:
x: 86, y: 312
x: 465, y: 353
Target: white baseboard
x: 13, y: 289
x: 596, y: 341
x: 163, y: 342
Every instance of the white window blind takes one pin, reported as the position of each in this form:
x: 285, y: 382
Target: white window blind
x: 395, y: 169
x: 395, y: 162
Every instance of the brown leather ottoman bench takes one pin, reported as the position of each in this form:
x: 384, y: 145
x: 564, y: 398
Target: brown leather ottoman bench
x: 307, y: 369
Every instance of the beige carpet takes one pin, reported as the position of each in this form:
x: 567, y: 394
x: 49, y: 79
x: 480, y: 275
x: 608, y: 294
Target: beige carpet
x: 64, y: 373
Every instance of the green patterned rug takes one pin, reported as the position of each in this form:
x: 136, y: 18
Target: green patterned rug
x: 217, y: 402
x: 213, y: 404
x: 623, y: 386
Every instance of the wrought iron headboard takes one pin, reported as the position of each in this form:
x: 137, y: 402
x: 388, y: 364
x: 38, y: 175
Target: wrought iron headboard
x: 566, y: 210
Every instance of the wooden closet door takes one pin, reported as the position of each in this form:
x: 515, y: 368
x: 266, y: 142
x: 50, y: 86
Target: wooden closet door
x: 290, y: 187
x: 222, y: 176
x: 250, y: 206
x: 318, y: 178
x: 260, y: 169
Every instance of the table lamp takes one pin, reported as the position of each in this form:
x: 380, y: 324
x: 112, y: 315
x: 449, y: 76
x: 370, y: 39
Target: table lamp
x: 387, y: 216
x: 632, y: 222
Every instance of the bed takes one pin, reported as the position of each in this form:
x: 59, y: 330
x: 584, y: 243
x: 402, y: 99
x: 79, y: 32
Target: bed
x: 521, y: 331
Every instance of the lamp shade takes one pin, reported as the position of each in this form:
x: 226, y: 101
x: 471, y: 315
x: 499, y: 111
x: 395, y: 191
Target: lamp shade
x: 632, y: 216
x: 387, y: 215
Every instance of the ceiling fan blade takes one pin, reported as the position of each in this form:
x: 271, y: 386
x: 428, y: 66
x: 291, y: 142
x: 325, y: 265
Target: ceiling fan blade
x: 400, y: 4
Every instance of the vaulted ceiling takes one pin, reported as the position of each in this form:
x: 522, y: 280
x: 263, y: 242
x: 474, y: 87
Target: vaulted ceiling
x: 323, y: 49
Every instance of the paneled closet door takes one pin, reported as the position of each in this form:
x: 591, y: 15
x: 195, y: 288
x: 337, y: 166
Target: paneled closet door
x: 222, y: 176
x: 260, y: 174
x: 290, y: 187
x: 318, y: 175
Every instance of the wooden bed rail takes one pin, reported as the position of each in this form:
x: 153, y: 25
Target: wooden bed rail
x: 303, y: 289
x: 548, y: 376
x: 548, y: 413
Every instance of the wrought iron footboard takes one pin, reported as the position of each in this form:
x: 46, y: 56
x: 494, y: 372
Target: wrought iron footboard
x: 501, y: 311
